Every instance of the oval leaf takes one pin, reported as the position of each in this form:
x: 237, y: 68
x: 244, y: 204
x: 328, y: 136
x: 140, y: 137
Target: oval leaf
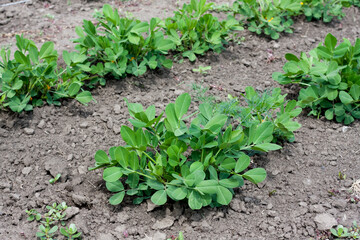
x: 159, y: 197
x: 112, y: 174
x: 255, y: 175
x: 117, y: 198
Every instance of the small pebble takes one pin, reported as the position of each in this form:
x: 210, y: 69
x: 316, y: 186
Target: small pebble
x: 29, y: 131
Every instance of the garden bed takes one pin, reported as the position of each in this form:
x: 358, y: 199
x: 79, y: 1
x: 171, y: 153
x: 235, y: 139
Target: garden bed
x: 303, y: 178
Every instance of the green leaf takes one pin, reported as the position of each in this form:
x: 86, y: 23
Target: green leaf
x: 228, y: 164
x: 133, y: 161
x: 122, y: 156
x: 330, y: 42
x: 263, y: 131
x: 255, y: 175
x: 117, y: 198
x: 46, y: 50
x: 265, y: 147
x: 223, y: 195
x: 116, y: 186
x: 229, y: 183
x: 177, y: 193
x: 84, y: 97
x: 101, y: 158
x: 345, y: 98
x: 216, y: 123
x: 128, y: 136
x: 74, y: 88
x: 112, y: 174
x: 182, y: 105
x: 196, y: 166
x: 140, y: 28
x: 329, y: 114
x: 355, y: 92
x: 194, y: 200
x: 159, y: 197
x: 155, y: 184
x: 242, y: 163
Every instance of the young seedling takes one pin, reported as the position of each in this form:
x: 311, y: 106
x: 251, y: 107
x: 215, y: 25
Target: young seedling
x: 55, y: 179
x: 70, y: 232
x: 180, y: 237
x: 202, y: 70
x: 49, y: 221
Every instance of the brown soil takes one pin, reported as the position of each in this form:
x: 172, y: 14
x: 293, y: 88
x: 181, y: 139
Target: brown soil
x: 66, y: 138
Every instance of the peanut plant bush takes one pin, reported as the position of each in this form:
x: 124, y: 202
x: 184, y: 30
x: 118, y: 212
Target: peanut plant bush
x: 164, y: 158
x: 330, y: 77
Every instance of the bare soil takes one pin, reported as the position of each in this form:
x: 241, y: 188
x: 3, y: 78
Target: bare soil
x: 35, y: 146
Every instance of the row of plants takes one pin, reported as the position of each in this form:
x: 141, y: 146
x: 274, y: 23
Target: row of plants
x: 113, y: 47
x: 118, y: 46
x: 274, y: 17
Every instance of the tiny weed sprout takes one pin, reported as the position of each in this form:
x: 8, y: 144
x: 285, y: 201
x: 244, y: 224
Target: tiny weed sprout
x: 55, y: 179
x: 164, y: 157
x: 179, y: 237
x: 330, y: 78
x: 342, y: 176
x: 70, y: 232
x: 202, y: 70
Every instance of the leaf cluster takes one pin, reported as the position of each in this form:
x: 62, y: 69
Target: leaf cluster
x: 48, y: 228
x: 120, y: 46
x: 330, y: 77
x: 268, y: 17
x: 259, y: 107
x: 164, y: 158
x: 274, y: 17
x: 348, y: 233
x: 324, y: 10
x: 33, y: 77
x: 194, y: 31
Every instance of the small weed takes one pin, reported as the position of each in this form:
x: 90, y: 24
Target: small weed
x: 180, y: 237
x: 202, y: 70
x: 341, y: 176
x: 55, y: 179
x: 333, y: 192
x: 50, y: 220
x: 350, y: 233
x: 272, y: 193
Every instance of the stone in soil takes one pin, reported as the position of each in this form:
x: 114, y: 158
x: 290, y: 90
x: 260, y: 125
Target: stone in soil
x: 164, y: 223
x: 325, y: 221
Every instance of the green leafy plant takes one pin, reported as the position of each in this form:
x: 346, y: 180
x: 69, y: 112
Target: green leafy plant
x: 70, y: 232
x: 55, y: 179
x: 202, y: 70
x: 324, y: 10
x: 49, y: 222
x: 330, y: 77
x: 164, y: 158
x: 33, y: 77
x: 269, y: 17
x: 199, y: 93
x: 195, y: 32
x: 179, y: 237
x: 121, y: 46
x: 343, y: 232
x: 267, y: 106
